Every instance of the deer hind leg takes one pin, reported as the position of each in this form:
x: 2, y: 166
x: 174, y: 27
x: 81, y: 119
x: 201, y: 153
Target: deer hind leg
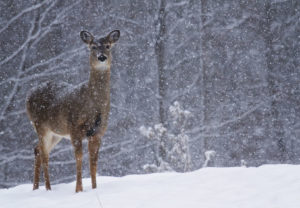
x: 46, y: 144
x: 94, y: 145
x: 37, y: 168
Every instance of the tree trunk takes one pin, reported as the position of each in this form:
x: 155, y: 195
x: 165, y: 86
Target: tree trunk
x: 160, y: 57
x: 276, y: 125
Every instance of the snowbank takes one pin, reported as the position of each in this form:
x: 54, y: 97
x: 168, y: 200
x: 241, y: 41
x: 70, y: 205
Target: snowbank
x: 269, y: 186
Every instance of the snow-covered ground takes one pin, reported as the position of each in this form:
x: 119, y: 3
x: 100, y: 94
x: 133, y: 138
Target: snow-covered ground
x: 268, y: 186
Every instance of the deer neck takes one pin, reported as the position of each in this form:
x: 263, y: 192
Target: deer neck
x: 99, y: 84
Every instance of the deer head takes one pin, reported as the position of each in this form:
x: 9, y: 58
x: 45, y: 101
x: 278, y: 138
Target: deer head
x: 100, y: 49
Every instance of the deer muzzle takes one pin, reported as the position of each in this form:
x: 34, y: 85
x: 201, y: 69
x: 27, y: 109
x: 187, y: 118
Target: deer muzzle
x: 102, y: 58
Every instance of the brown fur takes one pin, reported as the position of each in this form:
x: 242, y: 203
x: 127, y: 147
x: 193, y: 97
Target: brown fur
x: 58, y: 111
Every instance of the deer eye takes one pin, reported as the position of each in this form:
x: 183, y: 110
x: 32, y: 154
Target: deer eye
x: 94, y: 47
x: 107, y: 47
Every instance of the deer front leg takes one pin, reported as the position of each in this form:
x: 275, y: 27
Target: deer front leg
x: 94, y: 145
x: 77, y: 143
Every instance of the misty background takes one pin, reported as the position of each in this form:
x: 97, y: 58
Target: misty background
x: 194, y: 83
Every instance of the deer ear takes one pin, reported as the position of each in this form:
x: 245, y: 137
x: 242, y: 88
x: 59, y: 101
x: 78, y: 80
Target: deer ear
x: 114, y: 36
x: 86, y: 37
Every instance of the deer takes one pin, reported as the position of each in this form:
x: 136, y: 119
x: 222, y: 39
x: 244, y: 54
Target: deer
x: 58, y: 111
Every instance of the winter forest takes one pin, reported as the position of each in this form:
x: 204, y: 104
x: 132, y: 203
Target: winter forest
x: 194, y: 83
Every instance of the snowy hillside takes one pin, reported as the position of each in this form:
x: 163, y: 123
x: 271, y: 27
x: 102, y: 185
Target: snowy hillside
x: 268, y: 186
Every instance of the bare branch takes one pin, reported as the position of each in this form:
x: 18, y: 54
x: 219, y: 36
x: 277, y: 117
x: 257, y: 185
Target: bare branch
x: 58, y: 18
x: 177, y: 4
x: 16, y: 84
x: 233, y: 120
x: 29, y: 9
x: 69, y: 53
x: 126, y: 20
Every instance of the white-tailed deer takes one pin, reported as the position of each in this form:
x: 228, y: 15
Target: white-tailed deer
x: 58, y: 111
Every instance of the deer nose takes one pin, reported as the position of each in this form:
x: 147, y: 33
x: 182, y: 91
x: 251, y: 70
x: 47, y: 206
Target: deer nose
x: 102, y: 58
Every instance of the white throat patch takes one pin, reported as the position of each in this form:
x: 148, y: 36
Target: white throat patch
x: 102, y: 66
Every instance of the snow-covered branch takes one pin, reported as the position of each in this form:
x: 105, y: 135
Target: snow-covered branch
x: 172, y: 148
x: 29, y: 9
